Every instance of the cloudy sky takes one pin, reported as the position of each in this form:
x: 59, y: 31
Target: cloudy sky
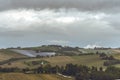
x: 65, y: 22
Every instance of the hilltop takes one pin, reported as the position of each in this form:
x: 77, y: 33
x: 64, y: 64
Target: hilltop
x: 63, y: 55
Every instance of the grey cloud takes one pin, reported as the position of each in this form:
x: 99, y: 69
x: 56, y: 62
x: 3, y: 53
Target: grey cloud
x: 83, y: 5
x: 40, y: 24
x: 75, y: 26
x: 114, y: 21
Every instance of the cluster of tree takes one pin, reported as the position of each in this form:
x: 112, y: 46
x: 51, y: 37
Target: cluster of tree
x: 51, y: 46
x: 66, y: 53
x: 46, y: 56
x: 80, y: 72
x: 86, y: 54
x: 10, y: 69
x: 101, y: 48
x: 106, y: 57
x: 12, y: 60
x: 69, y: 69
x: 111, y: 62
x: 9, y: 61
x: 110, y: 59
x: 60, y: 50
x: 31, y: 63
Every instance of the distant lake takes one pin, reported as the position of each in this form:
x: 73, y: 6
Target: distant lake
x: 31, y: 53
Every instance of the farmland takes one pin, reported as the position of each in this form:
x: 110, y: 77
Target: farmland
x: 89, y: 60
x: 60, y: 60
x: 7, y: 54
x: 87, y: 57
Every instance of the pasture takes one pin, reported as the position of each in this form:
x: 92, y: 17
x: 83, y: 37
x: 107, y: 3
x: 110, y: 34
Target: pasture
x: 88, y: 60
x: 7, y: 54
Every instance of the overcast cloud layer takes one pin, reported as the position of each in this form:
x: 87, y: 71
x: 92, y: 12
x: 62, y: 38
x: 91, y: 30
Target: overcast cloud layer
x: 65, y: 22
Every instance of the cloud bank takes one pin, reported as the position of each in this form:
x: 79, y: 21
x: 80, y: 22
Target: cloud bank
x: 83, y: 5
x: 76, y: 23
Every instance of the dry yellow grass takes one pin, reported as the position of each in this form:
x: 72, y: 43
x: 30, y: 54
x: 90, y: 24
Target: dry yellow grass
x: 15, y: 64
x: 21, y: 76
x: 88, y: 60
x: 4, y: 57
x: 48, y: 77
x: 117, y: 55
x: 60, y: 60
x: 7, y: 54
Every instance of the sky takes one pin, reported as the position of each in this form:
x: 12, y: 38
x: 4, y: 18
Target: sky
x: 62, y: 22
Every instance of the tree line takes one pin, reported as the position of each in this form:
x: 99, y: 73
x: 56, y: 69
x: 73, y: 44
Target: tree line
x: 80, y: 72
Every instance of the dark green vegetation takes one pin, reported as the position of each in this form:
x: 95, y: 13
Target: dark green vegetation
x: 79, y: 72
x: 34, y: 63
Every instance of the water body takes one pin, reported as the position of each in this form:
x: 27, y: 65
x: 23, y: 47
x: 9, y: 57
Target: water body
x: 31, y: 53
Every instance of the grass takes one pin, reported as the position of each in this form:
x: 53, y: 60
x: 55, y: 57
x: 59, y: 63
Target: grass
x: 88, y: 60
x: 109, y: 51
x: 38, y: 62
x: 21, y: 76
x: 60, y: 60
x: 117, y: 54
x: 7, y: 54
x: 117, y: 65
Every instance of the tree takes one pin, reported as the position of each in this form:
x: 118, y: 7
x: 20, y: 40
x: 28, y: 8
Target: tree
x: 39, y: 70
x: 102, y: 55
x: 113, y: 70
x: 82, y: 76
x: 100, y: 69
x: 94, y: 69
x: 102, y: 76
x: 37, y: 51
x: 48, y: 68
x: 97, y: 52
x: 111, y: 58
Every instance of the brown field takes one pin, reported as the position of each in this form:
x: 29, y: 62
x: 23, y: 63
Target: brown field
x: 21, y: 76
x: 7, y: 54
x: 117, y: 55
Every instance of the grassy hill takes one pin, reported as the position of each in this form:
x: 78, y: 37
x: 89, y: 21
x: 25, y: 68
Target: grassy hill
x: 117, y: 54
x: 60, y: 60
x: 6, y: 54
x: 89, y: 60
x: 107, y: 51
